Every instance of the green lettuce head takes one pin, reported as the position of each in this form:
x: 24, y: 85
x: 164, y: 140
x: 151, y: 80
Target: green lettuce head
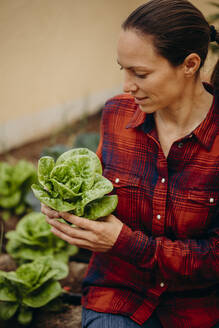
x: 31, y: 286
x: 15, y: 183
x: 75, y: 184
x: 33, y: 238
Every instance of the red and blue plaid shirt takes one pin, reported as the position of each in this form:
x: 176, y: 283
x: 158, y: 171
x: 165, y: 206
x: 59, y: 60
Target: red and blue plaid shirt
x: 167, y: 254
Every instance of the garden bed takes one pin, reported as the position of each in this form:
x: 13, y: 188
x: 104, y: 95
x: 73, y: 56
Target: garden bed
x: 70, y: 314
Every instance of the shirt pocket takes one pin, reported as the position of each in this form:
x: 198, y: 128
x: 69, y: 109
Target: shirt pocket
x: 121, y: 179
x: 203, y: 198
x: 202, y: 206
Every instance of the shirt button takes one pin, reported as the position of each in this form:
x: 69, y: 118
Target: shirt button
x: 163, y: 180
x: 180, y: 145
x: 158, y: 216
x: 211, y: 200
x: 117, y: 180
x: 162, y: 284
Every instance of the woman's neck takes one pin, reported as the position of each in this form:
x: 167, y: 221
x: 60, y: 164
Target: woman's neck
x: 176, y: 122
x: 190, y: 110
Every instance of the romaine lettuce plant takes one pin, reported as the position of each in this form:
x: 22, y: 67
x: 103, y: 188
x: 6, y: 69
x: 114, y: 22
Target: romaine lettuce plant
x: 33, y: 238
x: 75, y: 183
x: 15, y: 182
x: 31, y: 286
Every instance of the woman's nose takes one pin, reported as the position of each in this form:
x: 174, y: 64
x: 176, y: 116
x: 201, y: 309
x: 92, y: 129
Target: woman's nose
x: 129, y: 85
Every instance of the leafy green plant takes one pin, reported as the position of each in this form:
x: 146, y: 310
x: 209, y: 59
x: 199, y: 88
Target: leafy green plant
x: 75, y: 183
x: 31, y: 286
x: 33, y: 238
x: 15, y: 183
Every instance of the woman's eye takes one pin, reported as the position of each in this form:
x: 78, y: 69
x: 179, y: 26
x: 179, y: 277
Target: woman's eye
x: 141, y: 76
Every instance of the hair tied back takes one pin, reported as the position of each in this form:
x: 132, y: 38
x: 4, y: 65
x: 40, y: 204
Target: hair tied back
x: 213, y: 33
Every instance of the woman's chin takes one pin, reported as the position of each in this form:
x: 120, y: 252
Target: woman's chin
x: 146, y: 108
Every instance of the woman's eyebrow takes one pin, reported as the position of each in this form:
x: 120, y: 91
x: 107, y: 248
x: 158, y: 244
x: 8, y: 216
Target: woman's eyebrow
x: 133, y: 67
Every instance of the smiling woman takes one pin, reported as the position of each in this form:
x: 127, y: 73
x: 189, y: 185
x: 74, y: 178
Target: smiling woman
x: 155, y: 260
x: 162, y: 88
x: 149, y: 77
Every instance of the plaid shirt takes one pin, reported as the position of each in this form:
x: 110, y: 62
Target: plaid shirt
x: 167, y: 254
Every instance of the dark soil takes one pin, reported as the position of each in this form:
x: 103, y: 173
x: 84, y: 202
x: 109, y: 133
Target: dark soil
x: 7, y: 263
x: 70, y: 317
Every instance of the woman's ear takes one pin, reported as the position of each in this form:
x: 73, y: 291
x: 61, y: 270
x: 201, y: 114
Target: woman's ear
x: 191, y: 64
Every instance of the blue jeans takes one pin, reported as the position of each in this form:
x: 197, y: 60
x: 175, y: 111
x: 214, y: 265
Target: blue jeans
x: 93, y: 319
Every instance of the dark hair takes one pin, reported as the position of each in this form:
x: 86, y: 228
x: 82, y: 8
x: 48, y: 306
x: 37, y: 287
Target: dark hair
x: 178, y: 29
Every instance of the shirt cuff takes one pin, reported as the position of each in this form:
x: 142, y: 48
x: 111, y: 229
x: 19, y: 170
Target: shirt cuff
x: 130, y: 245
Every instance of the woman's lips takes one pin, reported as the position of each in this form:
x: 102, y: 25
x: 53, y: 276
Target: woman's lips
x: 140, y: 100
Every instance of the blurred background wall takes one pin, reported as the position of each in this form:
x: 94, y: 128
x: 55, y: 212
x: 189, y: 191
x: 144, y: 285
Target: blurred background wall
x: 58, y: 62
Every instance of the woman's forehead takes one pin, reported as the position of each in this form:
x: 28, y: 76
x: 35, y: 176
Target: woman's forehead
x: 136, y: 50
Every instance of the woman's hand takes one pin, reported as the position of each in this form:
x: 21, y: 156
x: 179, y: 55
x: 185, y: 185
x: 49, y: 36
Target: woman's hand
x: 96, y: 236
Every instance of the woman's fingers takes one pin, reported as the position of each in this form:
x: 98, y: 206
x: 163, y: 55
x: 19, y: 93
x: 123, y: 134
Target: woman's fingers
x: 49, y: 211
x: 97, y: 236
x: 80, y: 222
x: 72, y: 232
x: 71, y: 240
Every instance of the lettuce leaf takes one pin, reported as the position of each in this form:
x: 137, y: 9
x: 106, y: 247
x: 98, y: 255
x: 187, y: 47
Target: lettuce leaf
x: 73, y: 183
x: 7, y: 310
x: 101, y: 207
x: 33, y: 238
x: 45, y: 294
x: 31, y: 286
x: 25, y: 315
x: 15, y: 183
x: 7, y: 292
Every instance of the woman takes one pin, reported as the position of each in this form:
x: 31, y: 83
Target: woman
x: 155, y: 261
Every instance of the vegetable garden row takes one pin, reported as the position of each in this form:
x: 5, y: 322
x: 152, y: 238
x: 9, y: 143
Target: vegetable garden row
x: 40, y: 274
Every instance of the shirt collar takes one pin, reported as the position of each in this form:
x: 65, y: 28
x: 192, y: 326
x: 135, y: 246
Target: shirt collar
x: 137, y: 119
x: 208, y: 129
x: 205, y: 132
